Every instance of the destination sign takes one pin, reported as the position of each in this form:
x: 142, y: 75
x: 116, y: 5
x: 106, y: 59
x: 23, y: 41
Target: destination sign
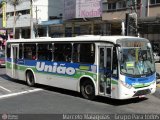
x: 133, y: 44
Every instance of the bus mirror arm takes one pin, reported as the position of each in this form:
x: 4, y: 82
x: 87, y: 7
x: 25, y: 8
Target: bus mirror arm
x: 119, y: 57
x: 117, y: 45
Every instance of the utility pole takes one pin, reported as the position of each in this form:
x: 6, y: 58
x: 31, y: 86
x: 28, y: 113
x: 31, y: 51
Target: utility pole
x: 127, y: 24
x: 32, y: 35
x: 131, y: 20
x: 36, y: 26
x: 14, y: 22
x: 148, y: 8
x: 135, y: 18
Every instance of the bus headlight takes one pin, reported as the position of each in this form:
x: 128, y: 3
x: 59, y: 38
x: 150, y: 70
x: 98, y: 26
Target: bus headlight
x: 126, y: 85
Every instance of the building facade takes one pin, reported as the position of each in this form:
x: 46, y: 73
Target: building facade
x: 148, y: 17
x: 150, y: 25
x: 80, y: 17
x: 33, y: 17
x: 83, y: 17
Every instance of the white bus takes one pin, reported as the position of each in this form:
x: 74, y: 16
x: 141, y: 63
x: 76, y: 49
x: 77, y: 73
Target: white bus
x: 92, y: 65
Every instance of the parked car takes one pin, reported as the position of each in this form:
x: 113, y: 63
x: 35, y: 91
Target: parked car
x: 156, y: 57
x: 2, y: 59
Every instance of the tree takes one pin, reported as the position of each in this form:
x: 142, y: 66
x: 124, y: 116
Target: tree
x: 14, y: 3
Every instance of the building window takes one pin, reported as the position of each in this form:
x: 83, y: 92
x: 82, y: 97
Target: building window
x: 121, y: 4
x: 152, y: 2
x: 111, y: 6
x: 157, y: 1
x: 104, y: 6
x: 19, y: 13
x: 23, y: 12
x: 114, y: 5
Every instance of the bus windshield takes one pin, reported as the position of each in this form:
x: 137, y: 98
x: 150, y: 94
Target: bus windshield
x: 136, y: 61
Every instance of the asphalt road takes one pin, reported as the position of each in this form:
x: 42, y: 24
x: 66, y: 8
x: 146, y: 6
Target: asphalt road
x: 17, y: 98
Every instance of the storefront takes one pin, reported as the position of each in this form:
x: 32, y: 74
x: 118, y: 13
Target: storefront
x: 51, y: 28
x: 92, y: 26
x: 150, y: 28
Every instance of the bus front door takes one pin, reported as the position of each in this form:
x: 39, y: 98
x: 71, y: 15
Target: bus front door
x: 105, y: 70
x: 14, y: 58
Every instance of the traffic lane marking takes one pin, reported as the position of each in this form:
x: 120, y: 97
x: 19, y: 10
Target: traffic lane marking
x: 5, y: 89
x: 20, y: 93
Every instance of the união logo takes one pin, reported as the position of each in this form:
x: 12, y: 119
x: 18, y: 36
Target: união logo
x: 61, y: 69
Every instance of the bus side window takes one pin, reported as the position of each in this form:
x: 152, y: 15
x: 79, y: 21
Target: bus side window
x: 20, y: 51
x: 76, y: 53
x: 62, y: 52
x: 88, y: 53
x: 115, y: 63
x: 45, y: 52
x: 84, y: 53
x: 29, y: 51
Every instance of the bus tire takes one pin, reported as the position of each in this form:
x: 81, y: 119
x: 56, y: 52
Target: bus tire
x: 30, y: 78
x: 88, y: 90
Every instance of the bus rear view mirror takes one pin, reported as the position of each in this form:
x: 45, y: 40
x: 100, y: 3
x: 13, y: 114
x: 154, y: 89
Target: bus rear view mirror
x: 119, y: 57
x: 119, y: 54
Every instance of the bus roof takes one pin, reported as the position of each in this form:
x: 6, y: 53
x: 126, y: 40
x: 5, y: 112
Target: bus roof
x: 82, y: 38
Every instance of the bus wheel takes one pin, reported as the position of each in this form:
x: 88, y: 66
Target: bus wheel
x: 88, y: 90
x: 30, y: 78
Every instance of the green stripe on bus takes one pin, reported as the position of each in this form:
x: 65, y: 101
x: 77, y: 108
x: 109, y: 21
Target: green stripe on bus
x: 141, y: 85
x: 114, y: 82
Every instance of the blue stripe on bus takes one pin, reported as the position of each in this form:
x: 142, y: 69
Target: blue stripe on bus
x: 33, y: 63
x: 148, y: 79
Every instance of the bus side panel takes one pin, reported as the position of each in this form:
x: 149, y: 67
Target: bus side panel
x: 8, y: 67
x: 20, y: 74
x: 57, y: 81
x: 63, y: 75
x: 114, y: 88
x: 58, y: 74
